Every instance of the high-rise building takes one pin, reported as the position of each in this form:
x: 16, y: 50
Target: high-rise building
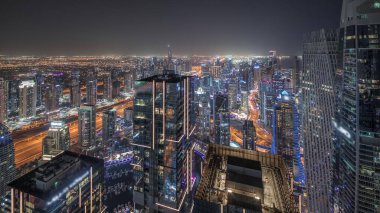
x: 128, y: 81
x: 116, y: 89
x: 240, y: 180
x: 249, y: 135
x: 13, y: 96
x: 357, y: 122
x: 221, y: 120
x: 204, y: 107
x: 162, y: 160
x: 91, y: 90
x: 40, y: 88
x: 75, y: 93
x: 319, y: 63
x: 7, y: 159
x: 285, y: 143
x: 70, y: 182
x: 57, y: 140
x: 28, y: 98
x: 278, y: 83
x: 107, y: 87
x: 51, y: 96
x: 109, y: 124
x: 283, y: 128
x: 266, y: 97
x: 232, y: 94
x: 87, y: 126
x: 3, y: 101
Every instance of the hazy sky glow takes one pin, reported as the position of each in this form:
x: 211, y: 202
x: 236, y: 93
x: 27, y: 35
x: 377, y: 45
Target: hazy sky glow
x: 128, y: 27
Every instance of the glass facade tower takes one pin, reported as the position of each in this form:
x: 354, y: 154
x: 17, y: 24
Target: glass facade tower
x: 87, y: 126
x: 7, y: 159
x: 28, y: 98
x: 163, y: 125
x: 357, y: 186
x: 91, y: 90
x: 320, y: 58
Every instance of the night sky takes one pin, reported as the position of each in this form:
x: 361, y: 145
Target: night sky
x: 142, y: 27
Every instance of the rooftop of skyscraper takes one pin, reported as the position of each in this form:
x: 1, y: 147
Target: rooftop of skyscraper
x: 52, y: 178
x: 245, y: 179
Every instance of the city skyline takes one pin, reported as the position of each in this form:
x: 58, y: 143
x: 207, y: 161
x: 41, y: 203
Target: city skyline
x: 143, y: 27
x: 277, y: 130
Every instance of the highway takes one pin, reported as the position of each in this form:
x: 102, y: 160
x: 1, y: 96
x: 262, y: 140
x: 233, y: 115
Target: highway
x: 264, y: 138
x: 28, y: 145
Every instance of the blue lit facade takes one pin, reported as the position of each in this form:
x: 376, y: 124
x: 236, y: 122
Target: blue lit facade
x: 163, y: 125
x: 7, y: 159
x: 285, y: 133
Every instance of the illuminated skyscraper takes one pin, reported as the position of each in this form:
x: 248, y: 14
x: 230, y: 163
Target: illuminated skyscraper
x: 7, y: 159
x: 128, y: 81
x: 91, y: 90
x: 358, y: 118
x: 28, y: 98
x: 286, y: 143
x: 51, y: 95
x: 70, y: 182
x: 57, y: 140
x: 13, y: 96
x: 320, y: 58
x: 3, y: 100
x: 232, y: 94
x: 40, y: 88
x: 87, y: 126
x: 221, y: 120
x: 75, y: 93
x: 163, y: 126
x: 283, y: 128
x: 109, y: 124
x: 107, y: 87
x: 266, y: 100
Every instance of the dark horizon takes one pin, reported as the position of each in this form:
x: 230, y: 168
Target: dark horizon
x: 145, y: 27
